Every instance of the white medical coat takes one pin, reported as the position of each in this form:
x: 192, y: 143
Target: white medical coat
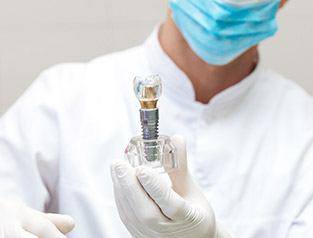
x: 250, y: 149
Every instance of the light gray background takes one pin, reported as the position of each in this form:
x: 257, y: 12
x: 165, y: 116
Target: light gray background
x: 36, y: 34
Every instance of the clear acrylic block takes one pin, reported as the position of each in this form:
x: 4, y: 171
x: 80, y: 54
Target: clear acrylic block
x: 159, y: 154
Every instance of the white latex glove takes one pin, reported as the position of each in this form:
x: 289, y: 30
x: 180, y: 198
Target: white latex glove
x: 150, y: 207
x: 20, y: 221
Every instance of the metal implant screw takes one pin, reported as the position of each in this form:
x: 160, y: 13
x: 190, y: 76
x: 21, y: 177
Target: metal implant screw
x: 148, y: 90
x: 150, y: 149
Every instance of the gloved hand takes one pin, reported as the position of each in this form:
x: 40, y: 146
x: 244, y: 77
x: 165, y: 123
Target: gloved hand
x: 20, y: 221
x: 150, y: 208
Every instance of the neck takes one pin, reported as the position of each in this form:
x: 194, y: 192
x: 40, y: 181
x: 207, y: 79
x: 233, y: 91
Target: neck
x: 208, y: 80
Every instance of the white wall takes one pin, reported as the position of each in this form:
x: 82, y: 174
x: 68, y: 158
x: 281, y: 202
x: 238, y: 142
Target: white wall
x: 291, y: 51
x: 35, y: 34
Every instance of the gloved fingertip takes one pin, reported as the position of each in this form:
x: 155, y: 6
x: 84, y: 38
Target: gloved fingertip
x: 144, y: 174
x: 141, y: 170
x: 112, y: 169
x: 70, y: 221
x: 117, y: 162
x: 120, y: 168
x: 178, y: 138
x: 64, y: 223
x: 179, y: 142
x: 113, y: 165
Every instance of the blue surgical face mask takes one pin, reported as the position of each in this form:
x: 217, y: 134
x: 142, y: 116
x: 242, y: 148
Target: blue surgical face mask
x: 218, y: 31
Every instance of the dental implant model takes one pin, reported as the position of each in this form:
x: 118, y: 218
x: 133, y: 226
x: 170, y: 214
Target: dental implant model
x: 150, y: 149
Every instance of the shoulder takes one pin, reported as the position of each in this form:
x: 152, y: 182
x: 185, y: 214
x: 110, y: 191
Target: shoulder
x: 107, y: 76
x: 287, y: 111
x: 289, y: 102
x: 87, y: 72
x: 275, y: 83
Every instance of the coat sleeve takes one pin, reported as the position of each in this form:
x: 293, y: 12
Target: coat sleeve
x: 302, y: 224
x: 29, y: 137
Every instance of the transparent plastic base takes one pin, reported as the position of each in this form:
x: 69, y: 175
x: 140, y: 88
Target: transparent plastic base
x: 157, y: 154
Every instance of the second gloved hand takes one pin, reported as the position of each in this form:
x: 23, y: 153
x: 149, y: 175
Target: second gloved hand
x: 150, y: 208
x: 20, y: 221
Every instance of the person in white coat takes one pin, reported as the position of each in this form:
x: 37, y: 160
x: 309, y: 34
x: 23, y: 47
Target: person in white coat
x: 248, y: 132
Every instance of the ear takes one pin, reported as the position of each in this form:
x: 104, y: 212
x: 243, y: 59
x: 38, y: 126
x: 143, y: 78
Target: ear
x: 282, y: 3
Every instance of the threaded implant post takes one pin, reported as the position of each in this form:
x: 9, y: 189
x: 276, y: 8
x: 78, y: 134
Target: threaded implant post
x: 148, y: 91
x: 149, y: 123
x: 150, y: 131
